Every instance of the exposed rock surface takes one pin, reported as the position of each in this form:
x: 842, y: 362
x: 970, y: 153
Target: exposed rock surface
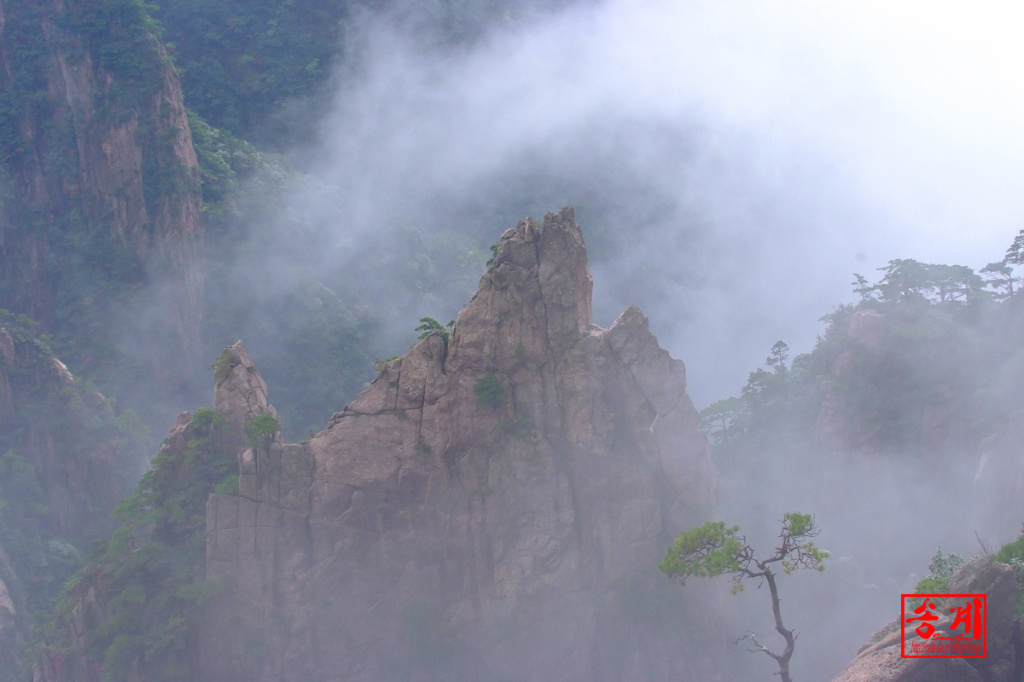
x: 867, y: 329
x: 239, y: 394
x: 98, y: 174
x: 880, y: 661
x: 491, y: 507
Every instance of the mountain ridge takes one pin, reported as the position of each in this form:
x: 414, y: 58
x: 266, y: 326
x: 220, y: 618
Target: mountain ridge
x: 482, y: 480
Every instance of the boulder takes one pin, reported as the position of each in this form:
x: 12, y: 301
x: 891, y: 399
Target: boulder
x: 880, y: 660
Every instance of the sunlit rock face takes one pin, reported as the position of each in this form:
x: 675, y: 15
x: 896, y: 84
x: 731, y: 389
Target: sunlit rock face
x: 491, y: 507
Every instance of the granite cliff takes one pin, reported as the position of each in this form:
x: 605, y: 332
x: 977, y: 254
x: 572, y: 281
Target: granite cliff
x: 99, y: 181
x: 491, y: 506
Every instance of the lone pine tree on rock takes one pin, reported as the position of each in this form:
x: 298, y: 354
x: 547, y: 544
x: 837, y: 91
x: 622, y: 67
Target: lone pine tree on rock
x: 713, y: 550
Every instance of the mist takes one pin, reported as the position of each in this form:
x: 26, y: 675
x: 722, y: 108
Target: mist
x: 731, y: 167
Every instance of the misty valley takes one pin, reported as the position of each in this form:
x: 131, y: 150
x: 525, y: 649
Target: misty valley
x: 238, y: 441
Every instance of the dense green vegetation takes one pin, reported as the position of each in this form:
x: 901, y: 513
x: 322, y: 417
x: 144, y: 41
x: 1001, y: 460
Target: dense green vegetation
x: 56, y: 437
x: 940, y: 570
x: 22, y: 95
x: 257, y: 69
x: 148, y: 575
x: 122, y: 39
x: 944, y: 565
x: 90, y: 276
x: 63, y: 263
x: 263, y: 429
x: 225, y: 161
x: 240, y: 62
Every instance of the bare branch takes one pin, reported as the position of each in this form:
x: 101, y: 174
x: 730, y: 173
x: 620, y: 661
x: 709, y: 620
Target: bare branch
x: 758, y: 647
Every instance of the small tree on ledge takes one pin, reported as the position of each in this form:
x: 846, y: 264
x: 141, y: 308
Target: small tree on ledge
x: 263, y: 427
x: 712, y: 550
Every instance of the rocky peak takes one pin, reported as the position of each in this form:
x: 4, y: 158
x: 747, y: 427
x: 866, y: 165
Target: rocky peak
x: 478, y: 510
x: 239, y: 394
x: 534, y: 299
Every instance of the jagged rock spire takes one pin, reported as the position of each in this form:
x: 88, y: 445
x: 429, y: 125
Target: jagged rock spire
x: 504, y: 481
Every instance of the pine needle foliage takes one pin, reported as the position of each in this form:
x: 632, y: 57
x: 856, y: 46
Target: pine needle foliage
x: 715, y: 549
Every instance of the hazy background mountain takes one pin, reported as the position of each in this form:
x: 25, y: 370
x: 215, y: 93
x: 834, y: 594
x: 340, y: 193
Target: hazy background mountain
x: 314, y: 178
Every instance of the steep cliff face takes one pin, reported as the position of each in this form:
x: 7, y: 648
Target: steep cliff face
x: 491, y: 506
x: 78, y: 452
x: 99, y: 183
x: 65, y: 460
x: 999, y: 480
x: 900, y: 385
x: 840, y: 429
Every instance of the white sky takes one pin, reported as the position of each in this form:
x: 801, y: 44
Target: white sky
x: 827, y: 139
x: 922, y: 103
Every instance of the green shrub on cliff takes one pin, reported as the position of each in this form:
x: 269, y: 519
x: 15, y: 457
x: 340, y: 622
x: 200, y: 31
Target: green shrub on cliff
x: 262, y: 429
x: 489, y: 391
x: 940, y: 570
x: 429, y: 324
x: 1013, y: 553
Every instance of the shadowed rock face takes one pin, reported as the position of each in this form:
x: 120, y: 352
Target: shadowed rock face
x: 105, y: 155
x: 999, y: 480
x: 72, y: 462
x: 880, y: 661
x: 491, y: 507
